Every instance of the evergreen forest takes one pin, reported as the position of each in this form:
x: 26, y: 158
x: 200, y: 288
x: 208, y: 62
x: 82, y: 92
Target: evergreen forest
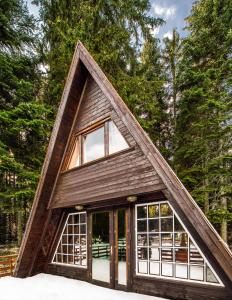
x: 179, y: 89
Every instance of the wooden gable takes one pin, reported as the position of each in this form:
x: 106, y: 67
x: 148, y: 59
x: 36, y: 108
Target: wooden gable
x: 89, y: 98
x: 114, y: 176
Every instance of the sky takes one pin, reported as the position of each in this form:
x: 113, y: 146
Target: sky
x: 172, y: 11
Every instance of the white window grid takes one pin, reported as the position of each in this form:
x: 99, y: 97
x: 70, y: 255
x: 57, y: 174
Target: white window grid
x: 190, y: 240
x: 73, y: 231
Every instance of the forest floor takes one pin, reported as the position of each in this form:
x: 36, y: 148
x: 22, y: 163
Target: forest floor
x: 50, y: 287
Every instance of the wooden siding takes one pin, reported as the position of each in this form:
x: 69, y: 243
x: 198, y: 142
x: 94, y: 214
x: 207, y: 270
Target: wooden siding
x: 70, y: 272
x: 174, y: 289
x: 114, y: 177
x: 128, y: 172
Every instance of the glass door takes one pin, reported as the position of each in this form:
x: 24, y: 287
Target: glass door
x: 101, y: 246
x: 121, y: 247
x: 109, y: 257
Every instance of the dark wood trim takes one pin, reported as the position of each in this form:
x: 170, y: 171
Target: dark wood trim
x: 92, y: 127
x: 129, y: 247
x: 116, y: 245
x: 112, y: 249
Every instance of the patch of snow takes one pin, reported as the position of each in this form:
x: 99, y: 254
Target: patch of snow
x: 50, y: 287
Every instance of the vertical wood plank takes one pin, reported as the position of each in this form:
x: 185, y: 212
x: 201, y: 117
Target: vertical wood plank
x: 89, y: 244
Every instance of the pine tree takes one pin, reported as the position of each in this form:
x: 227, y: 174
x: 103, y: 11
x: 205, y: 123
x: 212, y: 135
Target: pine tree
x: 151, y: 106
x: 24, y: 122
x: 172, y: 58
x: 203, y: 133
x: 111, y: 31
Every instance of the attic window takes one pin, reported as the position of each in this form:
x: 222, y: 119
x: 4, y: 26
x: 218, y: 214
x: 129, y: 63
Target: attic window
x: 99, y: 142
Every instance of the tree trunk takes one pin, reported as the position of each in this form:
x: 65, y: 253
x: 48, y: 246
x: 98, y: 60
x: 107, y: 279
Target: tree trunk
x: 19, y: 227
x: 224, y: 233
x: 206, y: 200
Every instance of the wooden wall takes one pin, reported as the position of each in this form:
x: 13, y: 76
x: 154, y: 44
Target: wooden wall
x: 118, y: 175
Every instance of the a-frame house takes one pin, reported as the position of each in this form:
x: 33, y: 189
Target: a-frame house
x: 109, y: 209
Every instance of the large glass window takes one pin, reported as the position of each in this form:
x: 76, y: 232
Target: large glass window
x: 116, y: 140
x: 104, y: 140
x: 72, y: 246
x: 93, y: 145
x: 164, y: 247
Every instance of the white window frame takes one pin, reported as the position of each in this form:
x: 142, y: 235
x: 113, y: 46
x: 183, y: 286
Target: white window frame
x: 204, y: 282
x: 86, y: 236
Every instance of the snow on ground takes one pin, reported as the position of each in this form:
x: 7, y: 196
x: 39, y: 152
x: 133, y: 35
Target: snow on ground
x: 50, y: 287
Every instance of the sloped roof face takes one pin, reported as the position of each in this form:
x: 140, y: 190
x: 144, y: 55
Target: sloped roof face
x: 52, y: 183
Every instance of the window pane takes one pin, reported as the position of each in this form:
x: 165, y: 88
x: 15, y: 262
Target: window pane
x: 154, y: 253
x: 142, y: 240
x: 177, y: 225
x: 142, y: 267
x: 142, y: 253
x: 75, y: 156
x: 82, y: 229
x: 181, y: 239
x: 116, y: 140
x: 181, y: 255
x: 167, y: 254
x: 82, y: 218
x: 167, y: 269
x: 93, y: 145
x: 76, y: 219
x: 194, y: 255
x: 165, y: 210
x: 210, y: 277
x: 153, y: 211
x: 166, y: 239
x: 196, y: 272
x: 142, y: 225
x: 167, y: 224
x: 154, y: 240
x: 182, y: 271
x: 141, y: 212
x: 154, y: 268
x: 153, y: 225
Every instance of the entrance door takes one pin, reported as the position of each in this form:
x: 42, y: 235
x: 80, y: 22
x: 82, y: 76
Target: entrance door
x: 101, y: 246
x: 109, y: 248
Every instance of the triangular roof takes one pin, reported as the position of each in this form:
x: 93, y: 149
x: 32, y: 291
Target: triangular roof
x: 175, y: 192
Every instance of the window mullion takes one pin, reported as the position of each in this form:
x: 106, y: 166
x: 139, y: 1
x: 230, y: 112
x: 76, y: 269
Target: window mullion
x: 106, y: 137
x: 81, y: 142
